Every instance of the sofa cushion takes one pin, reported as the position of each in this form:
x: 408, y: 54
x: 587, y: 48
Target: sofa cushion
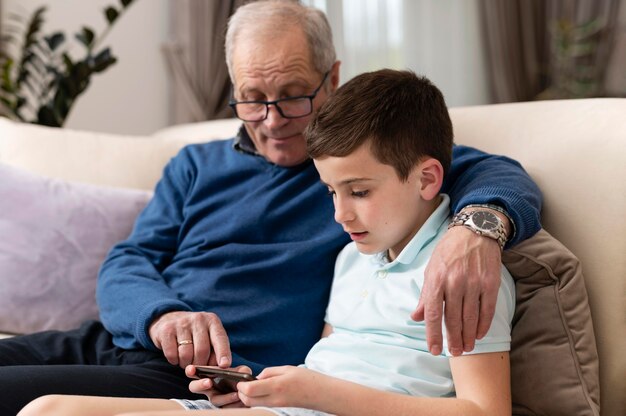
x: 554, y: 361
x: 55, y: 235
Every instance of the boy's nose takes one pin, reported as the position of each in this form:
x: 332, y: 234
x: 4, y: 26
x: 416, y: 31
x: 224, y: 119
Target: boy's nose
x: 343, y: 214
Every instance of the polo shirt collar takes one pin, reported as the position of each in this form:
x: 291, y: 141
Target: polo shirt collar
x: 243, y: 142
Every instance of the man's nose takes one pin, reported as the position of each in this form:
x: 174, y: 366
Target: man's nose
x: 274, y: 118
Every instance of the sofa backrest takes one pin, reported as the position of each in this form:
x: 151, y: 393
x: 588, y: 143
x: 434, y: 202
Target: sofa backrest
x: 102, y: 158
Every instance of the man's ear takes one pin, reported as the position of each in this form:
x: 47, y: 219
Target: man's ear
x: 334, y: 76
x: 431, y: 178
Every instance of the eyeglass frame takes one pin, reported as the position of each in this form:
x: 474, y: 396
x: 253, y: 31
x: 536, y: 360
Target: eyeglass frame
x: 233, y: 104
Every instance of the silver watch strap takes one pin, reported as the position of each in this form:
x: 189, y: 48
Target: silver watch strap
x: 500, y: 210
x: 461, y: 218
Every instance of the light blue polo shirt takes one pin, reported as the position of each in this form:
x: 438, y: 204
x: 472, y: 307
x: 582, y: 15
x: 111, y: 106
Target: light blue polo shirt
x: 375, y: 342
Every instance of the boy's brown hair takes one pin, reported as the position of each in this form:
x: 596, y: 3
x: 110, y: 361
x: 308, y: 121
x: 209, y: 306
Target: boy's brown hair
x: 403, y: 116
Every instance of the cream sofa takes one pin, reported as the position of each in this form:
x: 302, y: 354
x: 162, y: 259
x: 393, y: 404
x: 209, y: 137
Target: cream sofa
x: 575, y: 150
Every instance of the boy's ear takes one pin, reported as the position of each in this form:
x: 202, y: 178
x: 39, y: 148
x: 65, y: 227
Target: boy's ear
x: 431, y: 178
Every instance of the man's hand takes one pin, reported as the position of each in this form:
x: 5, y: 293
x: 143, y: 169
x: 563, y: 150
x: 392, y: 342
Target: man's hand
x: 464, y: 272
x: 187, y: 338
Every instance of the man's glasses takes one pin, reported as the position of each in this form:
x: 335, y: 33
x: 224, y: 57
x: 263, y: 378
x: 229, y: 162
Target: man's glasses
x: 290, y: 107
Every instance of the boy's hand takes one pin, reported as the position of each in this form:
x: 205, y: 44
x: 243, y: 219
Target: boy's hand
x: 223, y: 395
x: 464, y: 272
x: 285, y: 386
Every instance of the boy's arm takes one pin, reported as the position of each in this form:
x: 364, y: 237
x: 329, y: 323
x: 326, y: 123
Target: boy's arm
x: 482, y: 383
x: 464, y: 269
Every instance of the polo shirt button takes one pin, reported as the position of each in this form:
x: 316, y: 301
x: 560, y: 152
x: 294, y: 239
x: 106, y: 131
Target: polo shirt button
x: 382, y: 274
x: 364, y: 293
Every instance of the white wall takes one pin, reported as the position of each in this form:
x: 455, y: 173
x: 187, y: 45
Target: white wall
x: 131, y: 96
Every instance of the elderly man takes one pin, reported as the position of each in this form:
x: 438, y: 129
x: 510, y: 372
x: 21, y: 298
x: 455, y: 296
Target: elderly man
x: 232, y: 260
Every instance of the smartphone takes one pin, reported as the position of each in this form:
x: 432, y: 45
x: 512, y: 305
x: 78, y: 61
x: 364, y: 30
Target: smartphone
x: 206, y: 371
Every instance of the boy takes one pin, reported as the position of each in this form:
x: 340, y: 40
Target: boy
x: 382, y: 145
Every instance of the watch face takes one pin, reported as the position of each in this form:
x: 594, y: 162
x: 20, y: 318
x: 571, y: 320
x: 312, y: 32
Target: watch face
x: 485, y: 220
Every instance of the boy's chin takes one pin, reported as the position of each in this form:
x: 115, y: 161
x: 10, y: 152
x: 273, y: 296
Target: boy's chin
x: 367, y: 249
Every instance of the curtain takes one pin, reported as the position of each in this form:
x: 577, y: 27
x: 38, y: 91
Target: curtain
x: 515, y: 36
x: 1, y: 21
x: 548, y: 49
x: 196, y: 60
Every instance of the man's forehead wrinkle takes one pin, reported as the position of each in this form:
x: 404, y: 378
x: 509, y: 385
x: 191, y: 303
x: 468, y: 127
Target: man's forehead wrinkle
x: 253, y: 75
x: 273, y: 60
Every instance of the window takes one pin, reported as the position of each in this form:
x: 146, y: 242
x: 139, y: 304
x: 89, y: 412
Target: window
x: 440, y: 39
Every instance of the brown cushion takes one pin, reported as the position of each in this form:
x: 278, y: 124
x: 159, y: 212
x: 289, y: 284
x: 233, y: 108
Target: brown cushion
x: 554, y: 361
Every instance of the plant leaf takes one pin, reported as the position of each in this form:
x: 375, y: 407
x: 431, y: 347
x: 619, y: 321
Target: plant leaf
x: 111, y: 14
x: 30, y: 41
x: 7, y: 103
x: 34, y: 26
x: 126, y: 3
x: 28, y: 82
x: 9, y: 38
x: 68, y: 63
x: 62, y: 103
x: 80, y: 73
x: 53, y: 41
x: 27, y: 57
x: 86, y: 37
x: 5, y: 76
x: 39, y: 59
x: 16, y: 17
x: 103, y: 60
x: 46, y: 117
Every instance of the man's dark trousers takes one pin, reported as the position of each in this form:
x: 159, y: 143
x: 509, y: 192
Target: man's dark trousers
x: 85, y: 362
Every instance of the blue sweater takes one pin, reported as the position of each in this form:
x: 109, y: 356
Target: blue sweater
x: 255, y: 243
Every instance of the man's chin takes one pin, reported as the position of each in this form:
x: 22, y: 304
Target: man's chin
x: 287, y: 161
x: 286, y: 157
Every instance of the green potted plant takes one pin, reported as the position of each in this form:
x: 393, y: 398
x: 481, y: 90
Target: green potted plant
x: 41, y: 82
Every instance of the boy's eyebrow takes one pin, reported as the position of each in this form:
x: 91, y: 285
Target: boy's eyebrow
x: 349, y: 181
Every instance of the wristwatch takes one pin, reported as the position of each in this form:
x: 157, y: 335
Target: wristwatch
x: 482, y: 222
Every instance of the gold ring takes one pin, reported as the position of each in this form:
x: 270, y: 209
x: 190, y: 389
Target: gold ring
x: 185, y: 342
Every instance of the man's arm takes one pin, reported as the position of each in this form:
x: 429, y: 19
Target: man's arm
x: 464, y: 269
x: 476, y: 177
x: 136, y: 304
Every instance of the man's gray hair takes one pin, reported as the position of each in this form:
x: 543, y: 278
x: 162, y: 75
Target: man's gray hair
x: 268, y: 17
